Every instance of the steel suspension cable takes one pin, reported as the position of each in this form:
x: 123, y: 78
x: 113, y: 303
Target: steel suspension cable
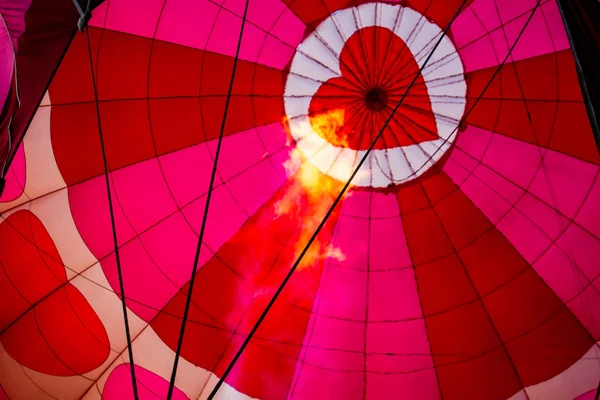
x: 112, y: 218
x: 329, y: 212
x: 206, y: 208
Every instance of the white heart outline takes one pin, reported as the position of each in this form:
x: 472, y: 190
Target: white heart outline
x: 317, y: 60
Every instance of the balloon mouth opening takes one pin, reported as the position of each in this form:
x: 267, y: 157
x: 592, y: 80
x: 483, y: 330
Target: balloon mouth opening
x: 376, y: 99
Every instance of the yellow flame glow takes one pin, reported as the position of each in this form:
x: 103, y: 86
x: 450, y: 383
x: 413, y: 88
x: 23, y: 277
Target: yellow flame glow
x: 311, y: 193
x: 329, y: 126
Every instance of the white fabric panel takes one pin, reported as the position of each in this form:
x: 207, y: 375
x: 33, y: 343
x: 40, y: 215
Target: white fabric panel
x: 316, y: 49
x: 330, y: 34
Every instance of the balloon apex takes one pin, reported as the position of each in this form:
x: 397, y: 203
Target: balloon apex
x: 84, y: 15
x: 83, y: 21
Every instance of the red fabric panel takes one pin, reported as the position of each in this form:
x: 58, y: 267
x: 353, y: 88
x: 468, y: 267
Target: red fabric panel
x: 439, y: 11
x: 554, y: 115
x: 312, y: 12
x: 27, y: 276
x: 234, y: 287
x: 368, y: 90
x: 184, y: 109
x: 55, y: 331
x: 489, y: 316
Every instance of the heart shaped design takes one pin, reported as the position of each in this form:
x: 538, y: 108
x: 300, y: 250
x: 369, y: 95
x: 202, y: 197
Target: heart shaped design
x: 47, y: 324
x: 377, y: 68
x: 350, y: 74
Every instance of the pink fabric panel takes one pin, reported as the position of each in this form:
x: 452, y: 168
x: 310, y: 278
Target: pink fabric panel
x: 359, y: 205
x: 243, y: 149
x: 563, y: 182
x: 527, y: 238
x: 517, y: 161
x: 561, y: 274
x: 583, y: 248
x: 146, y: 286
x: 398, y: 354
x: 393, y: 296
x: 271, y: 33
x: 278, y: 161
x: 388, y: 249
x: 225, y: 217
x: 130, y: 16
x: 589, y: 214
x: 545, y: 218
x: 13, y: 16
x: 89, y: 206
x: 586, y: 307
x: 466, y: 28
x: 490, y: 192
x: 534, y: 223
x: 225, y: 35
x: 288, y: 28
x: 500, y: 185
x: 156, y: 266
x: 263, y: 13
x: 352, y: 231
x: 272, y: 136
x: 15, y: 177
x: 172, y: 247
x: 150, y: 385
x: 239, y: 152
x: 514, y: 160
x: 587, y: 396
x: 400, y: 361
x: 353, y: 241
x: 545, y: 33
x: 455, y: 171
x: 343, y: 294
x: 397, y: 349
x: 12, y: 26
x: 7, y: 63
x: 571, y: 285
x: 483, y: 195
x: 467, y: 161
x: 332, y: 364
x: 244, y: 186
x: 175, y: 26
x: 144, y: 201
x: 487, y: 30
x: 329, y: 374
x: 197, y: 159
x: 474, y: 141
x: 484, y: 52
x: 384, y: 206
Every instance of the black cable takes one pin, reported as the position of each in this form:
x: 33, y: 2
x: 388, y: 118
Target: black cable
x: 112, y: 221
x: 329, y: 212
x: 583, y: 81
x: 206, y: 208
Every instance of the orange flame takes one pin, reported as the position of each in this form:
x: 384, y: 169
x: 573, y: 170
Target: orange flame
x: 311, y: 194
x: 329, y: 126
